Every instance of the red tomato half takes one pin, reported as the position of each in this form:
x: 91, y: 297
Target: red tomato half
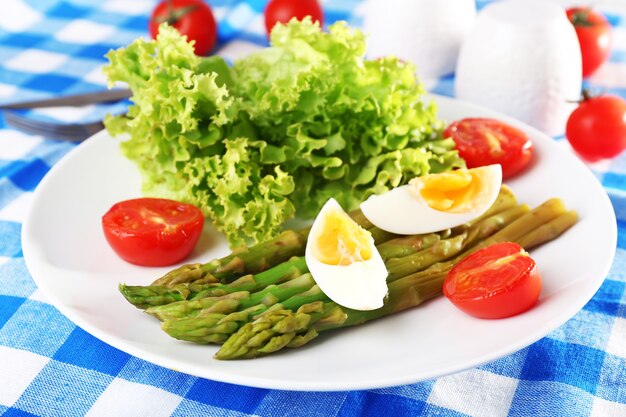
x: 284, y: 10
x: 192, y: 18
x: 152, y: 231
x: 594, y: 36
x: 498, y: 281
x: 483, y: 142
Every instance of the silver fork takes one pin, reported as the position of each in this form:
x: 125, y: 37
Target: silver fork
x: 73, y: 131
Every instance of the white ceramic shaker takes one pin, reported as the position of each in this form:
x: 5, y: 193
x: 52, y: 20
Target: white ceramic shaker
x: 427, y: 33
x: 523, y: 59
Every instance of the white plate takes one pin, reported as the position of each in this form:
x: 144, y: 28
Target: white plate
x: 68, y: 257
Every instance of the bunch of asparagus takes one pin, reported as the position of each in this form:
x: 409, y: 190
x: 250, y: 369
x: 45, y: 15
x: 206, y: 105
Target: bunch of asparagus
x: 262, y: 299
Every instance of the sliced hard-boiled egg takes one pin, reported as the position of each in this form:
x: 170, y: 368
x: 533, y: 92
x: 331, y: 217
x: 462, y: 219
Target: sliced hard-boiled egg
x: 343, y: 260
x: 435, y: 202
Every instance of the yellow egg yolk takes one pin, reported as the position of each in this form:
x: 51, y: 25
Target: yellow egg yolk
x: 342, y: 241
x: 456, y: 191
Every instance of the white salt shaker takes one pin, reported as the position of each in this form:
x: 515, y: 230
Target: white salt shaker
x: 523, y: 59
x: 427, y: 33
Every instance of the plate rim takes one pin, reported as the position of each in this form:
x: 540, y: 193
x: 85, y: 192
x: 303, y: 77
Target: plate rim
x: 289, y: 385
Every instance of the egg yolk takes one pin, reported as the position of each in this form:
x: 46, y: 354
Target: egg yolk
x: 342, y: 241
x: 456, y: 191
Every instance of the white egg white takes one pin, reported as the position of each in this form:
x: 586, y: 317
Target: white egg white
x: 403, y: 211
x: 361, y: 285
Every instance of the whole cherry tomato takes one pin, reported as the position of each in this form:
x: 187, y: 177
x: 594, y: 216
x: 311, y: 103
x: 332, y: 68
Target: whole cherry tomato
x: 192, y: 18
x: 597, y: 128
x: 498, y: 281
x: 152, y: 231
x: 594, y: 35
x: 284, y: 10
x: 482, y: 141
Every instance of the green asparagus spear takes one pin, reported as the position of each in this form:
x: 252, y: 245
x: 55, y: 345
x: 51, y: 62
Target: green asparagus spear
x: 156, y: 295
x: 244, y: 260
x: 207, y: 322
x: 406, y: 245
x: 549, y: 231
x: 150, y: 295
x: 240, y: 300
x: 447, y: 248
x: 280, y: 328
x: 290, y: 243
x: 277, y: 329
x: 440, y: 251
x: 254, y: 259
x: 192, y: 282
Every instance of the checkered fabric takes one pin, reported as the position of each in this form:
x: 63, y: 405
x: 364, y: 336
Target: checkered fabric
x: 51, y: 367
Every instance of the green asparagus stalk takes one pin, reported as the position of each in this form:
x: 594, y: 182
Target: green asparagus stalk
x: 290, y: 243
x: 406, y: 245
x: 151, y: 295
x: 442, y: 250
x: 505, y: 200
x: 280, y: 328
x: 254, y: 259
x: 179, y: 318
x: 192, y: 281
x: 549, y: 231
x: 184, y: 322
x: 447, y: 248
x: 243, y: 261
x: 437, y: 253
x: 240, y: 300
x: 156, y: 295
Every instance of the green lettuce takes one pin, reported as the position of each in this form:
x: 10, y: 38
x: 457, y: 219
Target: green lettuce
x: 278, y: 133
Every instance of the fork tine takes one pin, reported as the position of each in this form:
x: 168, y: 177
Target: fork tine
x: 75, y: 136
x: 45, y: 125
x: 73, y: 132
x: 20, y: 123
x: 29, y: 127
x: 38, y: 129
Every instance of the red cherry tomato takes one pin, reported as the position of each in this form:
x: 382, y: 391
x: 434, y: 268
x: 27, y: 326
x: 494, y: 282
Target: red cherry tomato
x: 284, y: 10
x: 594, y: 35
x: 498, y: 281
x: 192, y: 18
x: 152, y: 231
x: 483, y: 142
x: 597, y: 128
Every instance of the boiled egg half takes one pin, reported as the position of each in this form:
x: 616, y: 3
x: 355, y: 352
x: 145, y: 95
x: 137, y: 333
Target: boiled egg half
x: 435, y: 202
x: 343, y: 260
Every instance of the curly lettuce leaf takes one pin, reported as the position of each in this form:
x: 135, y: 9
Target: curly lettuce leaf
x: 278, y: 133
x: 349, y: 127
x: 190, y: 142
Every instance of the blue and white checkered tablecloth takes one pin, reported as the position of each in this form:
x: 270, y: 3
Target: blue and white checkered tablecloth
x: 51, y: 367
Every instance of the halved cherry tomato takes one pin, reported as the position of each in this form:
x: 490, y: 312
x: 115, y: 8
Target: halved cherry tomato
x: 498, y: 281
x: 482, y: 141
x: 152, y: 231
x: 594, y: 36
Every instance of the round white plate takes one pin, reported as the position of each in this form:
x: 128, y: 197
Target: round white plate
x: 68, y: 257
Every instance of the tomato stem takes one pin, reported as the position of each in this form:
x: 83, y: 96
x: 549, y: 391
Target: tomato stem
x: 580, y: 18
x: 174, y: 14
x: 584, y: 96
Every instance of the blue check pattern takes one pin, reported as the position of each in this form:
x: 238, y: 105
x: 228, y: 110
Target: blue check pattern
x: 51, y: 367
